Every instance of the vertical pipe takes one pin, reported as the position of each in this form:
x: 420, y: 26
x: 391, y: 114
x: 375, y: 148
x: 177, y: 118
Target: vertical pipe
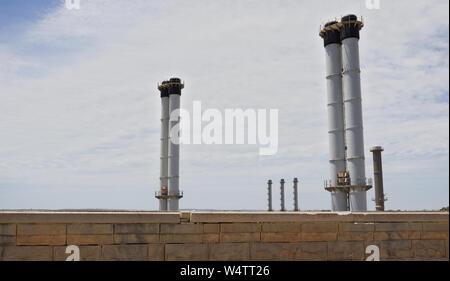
x: 336, y: 133
x: 164, y: 156
x: 269, y: 193
x: 378, y: 176
x: 175, y: 87
x: 295, y: 195
x: 351, y: 86
x: 282, y: 195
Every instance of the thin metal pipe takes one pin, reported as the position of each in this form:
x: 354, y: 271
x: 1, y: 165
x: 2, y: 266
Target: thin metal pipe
x: 295, y: 195
x: 269, y: 195
x: 282, y: 195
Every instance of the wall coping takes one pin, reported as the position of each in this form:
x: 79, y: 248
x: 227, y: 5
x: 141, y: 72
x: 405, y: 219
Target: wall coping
x: 318, y: 216
x: 215, y: 217
x: 88, y: 217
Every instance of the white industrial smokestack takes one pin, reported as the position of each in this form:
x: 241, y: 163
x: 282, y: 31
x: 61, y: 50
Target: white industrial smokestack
x: 351, y: 85
x: 164, y: 157
x: 336, y: 133
x: 175, y: 87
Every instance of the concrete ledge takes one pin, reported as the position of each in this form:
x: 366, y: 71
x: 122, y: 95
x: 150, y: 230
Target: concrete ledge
x: 231, y: 217
x: 88, y: 217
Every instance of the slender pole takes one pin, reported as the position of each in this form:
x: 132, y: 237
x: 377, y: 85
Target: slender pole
x: 269, y: 193
x: 295, y: 195
x: 282, y: 195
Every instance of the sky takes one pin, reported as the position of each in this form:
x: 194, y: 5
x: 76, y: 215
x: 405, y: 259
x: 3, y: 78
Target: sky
x: 80, y: 111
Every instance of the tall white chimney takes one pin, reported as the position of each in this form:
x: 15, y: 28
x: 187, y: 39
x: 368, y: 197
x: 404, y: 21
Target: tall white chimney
x: 336, y: 133
x: 175, y: 87
x: 351, y: 86
x: 162, y: 195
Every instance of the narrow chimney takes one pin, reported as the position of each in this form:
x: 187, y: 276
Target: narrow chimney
x: 269, y: 194
x: 378, y: 177
x: 295, y: 195
x: 282, y: 195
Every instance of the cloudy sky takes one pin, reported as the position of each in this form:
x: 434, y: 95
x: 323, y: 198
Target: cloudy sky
x: 79, y: 108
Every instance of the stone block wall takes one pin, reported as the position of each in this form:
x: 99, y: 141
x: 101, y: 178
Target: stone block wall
x: 222, y: 236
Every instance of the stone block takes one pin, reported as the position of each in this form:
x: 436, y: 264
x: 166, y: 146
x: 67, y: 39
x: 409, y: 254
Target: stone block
x: 240, y: 237
x: 357, y: 227
x: 318, y: 237
x: 41, y: 229
x: 26, y: 253
x: 229, y: 252
x: 392, y: 226
x: 240, y: 227
x: 156, y: 252
x: 280, y: 237
x: 390, y: 235
x: 306, y: 251
x: 396, y: 250
x: 131, y: 238
x: 90, y: 239
x: 90, y: 228
x: 185, y: 216
x: 273, y: 251
x: 319, y: 227
x: 435, y: 227
x: 44, y: 239
x: 434, y: 235
x: 125, y: 252
x: 136, y: 228
x: 7, y: 240
x: 181, y: 228
x: 428, y: 249
x: 281, y: 227
x: 211, y: 238
x: 355, y: 235
x: 186, y: 252
x: 211, y: 228
x: 7, y: 229
x: 346, y: 250
x: 311, y: 251
x: 181, y: 238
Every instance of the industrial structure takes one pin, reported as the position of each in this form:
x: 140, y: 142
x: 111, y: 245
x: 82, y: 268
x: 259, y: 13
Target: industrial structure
x: 296, y: 209
x: 380, y: 197
x: 169, y: 193
x: 269, y: 196
x: 282, y: 207
x: 282, y: 193
x: 348, y: 184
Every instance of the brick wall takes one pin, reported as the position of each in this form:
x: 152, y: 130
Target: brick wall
x: 223, y: 235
